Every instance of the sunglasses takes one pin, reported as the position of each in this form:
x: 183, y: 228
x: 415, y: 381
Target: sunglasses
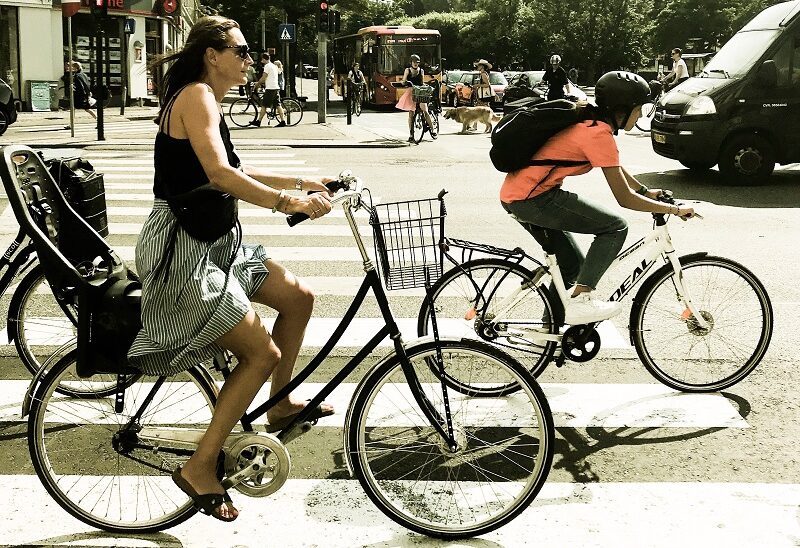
x: 242, y: 50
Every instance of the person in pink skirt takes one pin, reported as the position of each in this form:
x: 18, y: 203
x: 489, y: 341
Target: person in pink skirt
x: 413, y: 74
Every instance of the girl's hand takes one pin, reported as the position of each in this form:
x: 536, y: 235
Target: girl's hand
x: 686, y: 213
x: 654, y: 193
x: 314, y: 205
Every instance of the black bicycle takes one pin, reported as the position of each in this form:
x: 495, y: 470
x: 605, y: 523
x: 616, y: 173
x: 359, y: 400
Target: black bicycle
x: 245, y: 109
x: 440, y: 460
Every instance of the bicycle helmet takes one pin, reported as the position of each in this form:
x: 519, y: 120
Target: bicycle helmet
x: 555, y: 59
x: 414, y: 57
x: 621, y: 91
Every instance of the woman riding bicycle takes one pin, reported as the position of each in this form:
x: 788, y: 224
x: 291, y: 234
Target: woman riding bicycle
x: 198, y: 278
x: 533, y: 195
x: 413, y: 74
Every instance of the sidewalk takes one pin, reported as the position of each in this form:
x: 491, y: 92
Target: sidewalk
x: 307, y: 134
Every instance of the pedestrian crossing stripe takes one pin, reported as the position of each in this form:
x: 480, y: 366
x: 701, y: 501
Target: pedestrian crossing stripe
x: 572, y: 405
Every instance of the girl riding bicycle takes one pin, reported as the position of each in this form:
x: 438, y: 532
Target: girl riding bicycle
x: 533, y: 195
x: 415, y: 75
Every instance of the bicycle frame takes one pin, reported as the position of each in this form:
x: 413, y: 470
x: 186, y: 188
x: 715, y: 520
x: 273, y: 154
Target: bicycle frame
x: 16, y: 260
x: 443, y: 425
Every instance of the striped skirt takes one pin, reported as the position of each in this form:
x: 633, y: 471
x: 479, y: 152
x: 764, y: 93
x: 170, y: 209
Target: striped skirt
x: 201, y: 299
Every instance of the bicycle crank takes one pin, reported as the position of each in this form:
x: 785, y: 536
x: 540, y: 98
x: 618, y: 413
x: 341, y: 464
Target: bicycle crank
x: 580, y: 343
x: 256, y: 465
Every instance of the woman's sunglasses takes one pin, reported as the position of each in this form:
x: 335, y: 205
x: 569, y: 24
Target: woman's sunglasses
x: 242, y: 50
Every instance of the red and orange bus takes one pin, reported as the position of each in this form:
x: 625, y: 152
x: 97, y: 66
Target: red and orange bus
x: 383, y: 54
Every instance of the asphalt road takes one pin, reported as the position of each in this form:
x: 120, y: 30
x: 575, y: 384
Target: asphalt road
x: 726, y: 473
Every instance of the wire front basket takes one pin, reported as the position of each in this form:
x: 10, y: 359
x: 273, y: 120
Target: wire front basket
x: 422, y: 94
x: 407, y: 238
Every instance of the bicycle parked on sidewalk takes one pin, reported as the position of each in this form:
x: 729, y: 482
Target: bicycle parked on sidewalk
x: 440, y: 461
x: 699, y: 323
x: 245, y: 109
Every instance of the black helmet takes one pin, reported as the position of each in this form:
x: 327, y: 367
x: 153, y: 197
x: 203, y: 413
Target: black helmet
x: 620, y: 89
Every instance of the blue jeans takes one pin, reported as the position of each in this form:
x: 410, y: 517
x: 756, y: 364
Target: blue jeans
x: 550, y: 217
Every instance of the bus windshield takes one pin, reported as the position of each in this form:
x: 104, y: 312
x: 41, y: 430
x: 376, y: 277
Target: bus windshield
x: 395, y: 51
x: 739, y: 54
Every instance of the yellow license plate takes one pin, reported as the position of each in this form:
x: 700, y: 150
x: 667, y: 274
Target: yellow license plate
x: 659, y: 138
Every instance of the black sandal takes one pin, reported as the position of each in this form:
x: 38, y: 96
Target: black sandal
x: 207, y: 504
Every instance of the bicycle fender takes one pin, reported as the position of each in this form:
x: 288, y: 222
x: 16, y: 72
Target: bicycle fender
x: 410, y: 345
x: 32, y: 388
x: 651, y: 280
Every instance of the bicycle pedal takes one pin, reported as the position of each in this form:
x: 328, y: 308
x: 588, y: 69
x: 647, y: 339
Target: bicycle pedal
x: 298, y: 430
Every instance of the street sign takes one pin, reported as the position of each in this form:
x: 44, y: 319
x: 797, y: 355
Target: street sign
x: 286, y: 32
x: 130, y: 25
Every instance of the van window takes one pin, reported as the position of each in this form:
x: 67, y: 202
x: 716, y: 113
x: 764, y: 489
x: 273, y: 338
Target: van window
x: 787, y: 63
x: 739, y: 54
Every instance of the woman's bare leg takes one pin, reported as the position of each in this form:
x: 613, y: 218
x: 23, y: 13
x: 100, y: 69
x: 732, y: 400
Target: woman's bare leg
x: 257, y: 357
x: 294, y: 302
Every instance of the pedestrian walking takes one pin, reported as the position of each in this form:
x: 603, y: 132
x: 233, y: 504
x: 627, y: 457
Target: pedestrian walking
x: 484, y: 91
x: 81, y: 89
x: 281, y: 79
x: 271, y: 99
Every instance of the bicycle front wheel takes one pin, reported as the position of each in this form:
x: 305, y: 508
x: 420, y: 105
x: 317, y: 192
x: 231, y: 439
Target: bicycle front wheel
x: 242, y: 112
x: 292, y: 111
x: 357, y: 104
x: 419, y: 127
x: 504, y: 445
x: 681, y: 353
x: 493, y: 300
x: 87, y: 457
x: 435, y: 121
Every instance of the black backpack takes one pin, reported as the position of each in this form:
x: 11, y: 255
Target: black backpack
x: 521, y: 133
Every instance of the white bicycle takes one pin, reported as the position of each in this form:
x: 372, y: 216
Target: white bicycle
x: 699, y: 323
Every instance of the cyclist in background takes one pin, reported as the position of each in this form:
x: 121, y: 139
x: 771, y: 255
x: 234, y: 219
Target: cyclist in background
x: 415, y: 75
x: 679, y: 72
x: 556, y: 78
x: 534, y: 197
x: 357, y: 77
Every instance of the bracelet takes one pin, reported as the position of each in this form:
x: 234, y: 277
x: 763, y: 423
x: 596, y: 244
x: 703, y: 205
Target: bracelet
x: 281, y: 198
x: 642, y: 190
x: 298, y: 184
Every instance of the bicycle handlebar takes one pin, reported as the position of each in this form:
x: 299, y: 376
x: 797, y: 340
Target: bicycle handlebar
x: 346, y: 181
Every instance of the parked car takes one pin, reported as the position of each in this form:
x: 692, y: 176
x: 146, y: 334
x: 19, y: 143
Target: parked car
x: 310, y: 71
x: 464, y: 88
x: 448, y: 89
x: 529, y: 84
x: 8, y: 107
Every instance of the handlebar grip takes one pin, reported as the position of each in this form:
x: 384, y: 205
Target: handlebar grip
x: 296, y: 218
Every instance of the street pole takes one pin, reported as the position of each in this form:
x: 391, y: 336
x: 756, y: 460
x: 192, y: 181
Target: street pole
x: 100, y: 80
x: 71, y: 80
x: 322, y: 76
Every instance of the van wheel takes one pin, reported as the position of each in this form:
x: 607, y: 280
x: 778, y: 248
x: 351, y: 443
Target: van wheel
x: 3, y: 122
x: 747, y: 160
x: 697, y: 165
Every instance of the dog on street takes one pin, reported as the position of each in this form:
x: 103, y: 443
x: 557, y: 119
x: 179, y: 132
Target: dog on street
x: 470, y: 116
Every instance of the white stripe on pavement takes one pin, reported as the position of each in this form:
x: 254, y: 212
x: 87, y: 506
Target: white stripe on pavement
x: 246, y: 211
x: 338, y: 514
x: 572, y: 405
x: 303, y: 229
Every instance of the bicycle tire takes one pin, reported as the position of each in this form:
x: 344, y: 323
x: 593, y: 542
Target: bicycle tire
x: 454, y: 294
x: 699, y: 360
x: 434, y: 131
x: 645, y: 120
x: 418, y: 126
x: 292, y: 111
x: 72, y: 447
x: 505, y: 449
x: 357, y: 104
x: 242, y: 111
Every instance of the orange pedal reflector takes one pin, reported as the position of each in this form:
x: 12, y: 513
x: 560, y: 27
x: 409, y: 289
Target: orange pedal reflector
x: 470, y: 315
x: 686, y: 314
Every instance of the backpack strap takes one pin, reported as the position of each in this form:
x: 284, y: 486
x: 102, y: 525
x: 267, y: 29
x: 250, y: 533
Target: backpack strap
x: 559, y: 163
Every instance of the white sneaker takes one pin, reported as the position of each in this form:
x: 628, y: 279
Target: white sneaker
x: 583, y: 309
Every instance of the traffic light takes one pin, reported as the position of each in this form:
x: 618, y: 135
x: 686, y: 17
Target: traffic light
x: 98, y: 7
x: 334, y: 22
x: 322, y: 17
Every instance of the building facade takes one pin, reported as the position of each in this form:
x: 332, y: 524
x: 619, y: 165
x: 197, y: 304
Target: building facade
x: 35, y: 43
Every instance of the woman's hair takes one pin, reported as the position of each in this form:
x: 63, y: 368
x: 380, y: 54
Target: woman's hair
x: 278, y: 64
x: 187, y: 64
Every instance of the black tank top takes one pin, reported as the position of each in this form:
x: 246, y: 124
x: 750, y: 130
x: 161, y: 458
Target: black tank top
x: 177, y: 168
x: 416, y: 80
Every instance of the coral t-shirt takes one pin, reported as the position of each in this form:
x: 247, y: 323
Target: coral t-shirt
x: 589, y: 141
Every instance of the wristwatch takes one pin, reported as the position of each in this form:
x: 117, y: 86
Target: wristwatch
x: 642, y: 190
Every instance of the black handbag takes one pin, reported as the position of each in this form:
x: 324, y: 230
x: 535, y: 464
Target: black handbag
x: 204, y: 213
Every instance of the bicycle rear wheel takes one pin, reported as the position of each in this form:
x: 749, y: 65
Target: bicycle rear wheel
x: 89, y: 462
x: 293, y: 111
x: 505, y: 445
x: 469, y: 298
x: 242, y: 112
x: 680, y: 353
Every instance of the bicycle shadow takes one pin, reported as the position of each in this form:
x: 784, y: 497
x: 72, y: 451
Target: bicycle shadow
x: 574, y: 449
x: 162, y: 540
x: 782, y: 190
